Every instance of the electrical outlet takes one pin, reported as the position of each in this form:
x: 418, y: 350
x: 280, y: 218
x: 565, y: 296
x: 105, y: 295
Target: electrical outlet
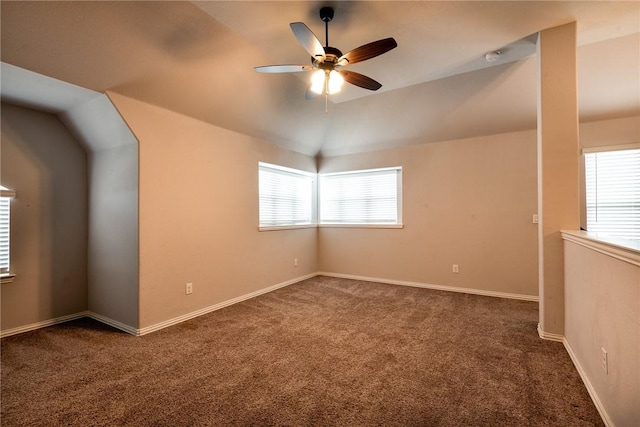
x: 455, y: 268
x: 295, y: 262
x: 535, y: 218
x: 188, y: 288
x: 605, y: 361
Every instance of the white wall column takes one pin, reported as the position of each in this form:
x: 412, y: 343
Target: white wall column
x: 558, y: 160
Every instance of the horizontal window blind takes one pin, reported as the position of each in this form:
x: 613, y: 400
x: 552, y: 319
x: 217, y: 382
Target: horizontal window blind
x: 286, y: 196
x: 361, y: 197
x: 4, y: 233
x: 612, y: 181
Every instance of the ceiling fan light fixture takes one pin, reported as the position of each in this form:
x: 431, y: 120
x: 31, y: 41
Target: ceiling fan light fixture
x: 317, y: 81
x: 335, y: 82
x: 327, y: 62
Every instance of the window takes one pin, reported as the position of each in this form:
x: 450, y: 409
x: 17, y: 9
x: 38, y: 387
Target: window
x: 287, y: 197
x: 5, y: 221
x: 368, y: 197
x: 612, y: 181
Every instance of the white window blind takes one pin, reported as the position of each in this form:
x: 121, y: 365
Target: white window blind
x: 5, y: 218
x: 612, y: 181
x: 287, y: 196
x: 361, y: 197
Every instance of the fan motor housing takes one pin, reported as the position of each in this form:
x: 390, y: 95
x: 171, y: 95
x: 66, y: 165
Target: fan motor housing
x: 332, y: 54
x: 331, y: 57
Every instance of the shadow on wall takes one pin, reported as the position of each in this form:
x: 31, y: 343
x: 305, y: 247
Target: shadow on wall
x: 47, y: 168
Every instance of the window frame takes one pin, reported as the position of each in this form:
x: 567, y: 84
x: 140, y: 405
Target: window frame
x: 314, y: 196
x: 399, y: 197
x: 6, y: 276
x: 586, y: 194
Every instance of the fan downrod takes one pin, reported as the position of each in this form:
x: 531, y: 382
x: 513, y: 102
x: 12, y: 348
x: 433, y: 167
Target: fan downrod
x: 326, y: 14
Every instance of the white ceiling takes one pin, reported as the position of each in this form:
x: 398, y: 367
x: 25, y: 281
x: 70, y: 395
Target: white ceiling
x: 197, y: 58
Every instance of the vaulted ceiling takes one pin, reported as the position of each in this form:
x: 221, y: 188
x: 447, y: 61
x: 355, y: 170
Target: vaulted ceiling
x: 197, y: 58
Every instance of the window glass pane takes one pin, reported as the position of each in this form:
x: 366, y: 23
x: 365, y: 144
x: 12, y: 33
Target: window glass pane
x: 4, y: 233
x: 361, y: 197
x: 612, y: 181
x: 286, y: 197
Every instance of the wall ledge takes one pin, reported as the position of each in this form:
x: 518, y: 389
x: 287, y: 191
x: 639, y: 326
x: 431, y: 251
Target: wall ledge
x: 622, y: 249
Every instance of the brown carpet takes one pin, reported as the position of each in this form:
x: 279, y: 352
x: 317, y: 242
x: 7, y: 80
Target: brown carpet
x: 321, y: 352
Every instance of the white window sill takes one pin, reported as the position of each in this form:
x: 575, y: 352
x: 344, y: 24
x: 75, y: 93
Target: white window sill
x: 7, y: 278
x: 285, y: 227
x: 361, y: 225
x: 294, y: 227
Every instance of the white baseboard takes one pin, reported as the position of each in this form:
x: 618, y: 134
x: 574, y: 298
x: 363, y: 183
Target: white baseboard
x: 113, y: 323
x: 149, y: 329
x: 431, y: 286
x: 549, y: 336
x: 179, y: 319
x: 585, y: 379
x: 143, y: 331
x: 43, y: 324
x: 62, y: 319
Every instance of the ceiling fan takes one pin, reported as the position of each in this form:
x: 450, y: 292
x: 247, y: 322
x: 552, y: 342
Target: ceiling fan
x: 328, y: 62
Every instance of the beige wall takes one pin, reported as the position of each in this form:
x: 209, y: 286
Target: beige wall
x: 113, y: 210
x: 602, y: 299
x: 113, y: 234
x: 47, y: 168
x: 603, y: 311
x: 610, y: 132
x: 468, y: 202
x: 558, y: 166
x: 199, y: 214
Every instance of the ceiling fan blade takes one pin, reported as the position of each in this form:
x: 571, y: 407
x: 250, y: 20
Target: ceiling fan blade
x: 283, y: 68
x: 368, y: 51
x: 307, y: 39
x: 360, y: 80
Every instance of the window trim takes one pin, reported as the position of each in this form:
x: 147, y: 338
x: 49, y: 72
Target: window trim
x: 285, y: 227
x: 7, y: 276
x: 357, y: 225
x: 399, y: 200
x: 314, y: 198
x: 604, y: 148
x: 584, y: 205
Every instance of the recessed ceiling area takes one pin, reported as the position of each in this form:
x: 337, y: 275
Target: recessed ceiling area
x: 197, y: 58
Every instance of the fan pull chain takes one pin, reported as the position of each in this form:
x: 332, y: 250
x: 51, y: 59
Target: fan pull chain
x: 326, y: 103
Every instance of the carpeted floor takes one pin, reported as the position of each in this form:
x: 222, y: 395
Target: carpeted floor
x: 323, y: 352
